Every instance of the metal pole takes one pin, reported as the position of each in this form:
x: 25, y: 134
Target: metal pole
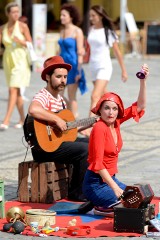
x: 123, y: 6
x: 27, y: 11
x: 86, y: 7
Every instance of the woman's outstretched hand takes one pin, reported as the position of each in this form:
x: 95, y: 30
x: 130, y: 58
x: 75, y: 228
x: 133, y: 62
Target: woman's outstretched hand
x: 124, y: 76
x: 145, y: 70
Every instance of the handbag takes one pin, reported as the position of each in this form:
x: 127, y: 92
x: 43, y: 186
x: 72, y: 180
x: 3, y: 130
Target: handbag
x: 86, y: 56
x: 32, y: 57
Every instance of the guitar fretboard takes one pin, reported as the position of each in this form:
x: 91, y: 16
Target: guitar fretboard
x: 82, y: 122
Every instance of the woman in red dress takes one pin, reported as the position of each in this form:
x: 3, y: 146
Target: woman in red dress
x: 101, y: 186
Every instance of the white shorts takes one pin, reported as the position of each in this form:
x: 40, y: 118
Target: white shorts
x: 101, y: 73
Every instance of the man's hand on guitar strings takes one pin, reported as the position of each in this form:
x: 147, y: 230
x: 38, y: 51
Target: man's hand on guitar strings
x: 60, y: 124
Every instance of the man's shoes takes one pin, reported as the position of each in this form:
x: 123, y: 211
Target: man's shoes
x: 77, y: 198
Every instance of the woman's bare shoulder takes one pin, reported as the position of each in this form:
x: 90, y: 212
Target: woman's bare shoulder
x: 78, y: 30
x: 23, y: 25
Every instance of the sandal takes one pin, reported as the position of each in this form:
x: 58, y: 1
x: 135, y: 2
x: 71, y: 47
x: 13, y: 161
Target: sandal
x: 18, y: 125
x: 3, y: 127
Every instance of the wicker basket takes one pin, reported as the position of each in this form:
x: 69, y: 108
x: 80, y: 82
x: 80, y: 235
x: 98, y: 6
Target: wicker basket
x: 41, y: 216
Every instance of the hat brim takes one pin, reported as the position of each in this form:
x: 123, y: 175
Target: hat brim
x: 52, y: 67
x: 110, y: 97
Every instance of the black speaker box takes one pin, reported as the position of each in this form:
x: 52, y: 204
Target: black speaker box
x: 132, y: 219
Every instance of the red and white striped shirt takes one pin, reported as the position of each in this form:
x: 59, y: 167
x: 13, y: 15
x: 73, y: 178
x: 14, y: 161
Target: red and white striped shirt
x: 48, y: 102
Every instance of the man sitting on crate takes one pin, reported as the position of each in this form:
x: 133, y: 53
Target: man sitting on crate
x: 45, y: 102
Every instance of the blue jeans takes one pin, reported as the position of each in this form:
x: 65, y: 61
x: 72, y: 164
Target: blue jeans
x: 97, y: 191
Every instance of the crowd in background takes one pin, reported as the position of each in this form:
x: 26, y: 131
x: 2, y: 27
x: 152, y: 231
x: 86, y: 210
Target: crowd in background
x: 71, y: 48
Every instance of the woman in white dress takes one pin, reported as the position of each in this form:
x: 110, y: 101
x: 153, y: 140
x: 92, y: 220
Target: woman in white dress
x: 101, y: 38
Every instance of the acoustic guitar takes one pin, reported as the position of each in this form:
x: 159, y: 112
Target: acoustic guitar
x: 49, y: 137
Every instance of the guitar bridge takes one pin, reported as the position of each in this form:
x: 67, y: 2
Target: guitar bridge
x: 49, y: 132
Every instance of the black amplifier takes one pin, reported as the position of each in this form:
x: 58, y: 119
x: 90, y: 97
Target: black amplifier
x: 132, y: 219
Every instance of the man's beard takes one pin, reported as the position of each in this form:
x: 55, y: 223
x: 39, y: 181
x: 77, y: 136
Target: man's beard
x: 59, y: 87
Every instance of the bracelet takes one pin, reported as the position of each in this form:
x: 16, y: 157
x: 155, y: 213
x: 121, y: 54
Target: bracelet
x: 78, y: 230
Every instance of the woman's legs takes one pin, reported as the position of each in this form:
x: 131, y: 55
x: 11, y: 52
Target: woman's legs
x: 65, y: 99
x: 100, y: 87
x: 71, y: 101
x: 20, y: 107
x: 72, y: 90
x: 13, y: 99
x: 99, y: 192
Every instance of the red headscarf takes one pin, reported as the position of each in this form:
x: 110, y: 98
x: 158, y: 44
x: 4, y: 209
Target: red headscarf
x: 109, y: 96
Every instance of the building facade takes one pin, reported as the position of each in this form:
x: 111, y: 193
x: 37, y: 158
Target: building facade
x: 143, y: 10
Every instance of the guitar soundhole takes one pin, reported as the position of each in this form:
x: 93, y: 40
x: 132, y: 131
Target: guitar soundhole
x: 57, y: 132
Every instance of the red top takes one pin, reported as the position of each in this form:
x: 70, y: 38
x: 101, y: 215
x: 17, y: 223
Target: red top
x: 103, y: 152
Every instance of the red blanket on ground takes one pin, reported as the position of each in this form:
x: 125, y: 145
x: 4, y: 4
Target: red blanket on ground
x: 100, y: 226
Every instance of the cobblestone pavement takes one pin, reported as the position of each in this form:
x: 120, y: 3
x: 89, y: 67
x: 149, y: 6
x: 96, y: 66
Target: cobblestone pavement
x: 139, y: 160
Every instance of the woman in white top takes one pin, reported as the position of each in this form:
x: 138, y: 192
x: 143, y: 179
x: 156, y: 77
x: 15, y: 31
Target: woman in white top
x: 101, y: 38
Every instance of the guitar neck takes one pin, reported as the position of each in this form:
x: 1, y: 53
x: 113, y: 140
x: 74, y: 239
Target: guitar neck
x: 82, y: 122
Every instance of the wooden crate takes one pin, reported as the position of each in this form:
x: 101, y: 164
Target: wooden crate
x: 42, y: 182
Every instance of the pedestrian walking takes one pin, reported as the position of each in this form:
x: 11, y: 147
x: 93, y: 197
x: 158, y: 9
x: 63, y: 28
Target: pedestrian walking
x: 14, y: 35
x: 101, y: 38
x: 72, y: 50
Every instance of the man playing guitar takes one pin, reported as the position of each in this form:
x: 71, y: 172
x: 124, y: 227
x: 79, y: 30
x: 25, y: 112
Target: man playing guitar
x: 46, y: 102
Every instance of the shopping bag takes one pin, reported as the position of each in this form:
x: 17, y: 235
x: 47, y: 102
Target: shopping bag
x: 32, y: 57
x: 87, y: 51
